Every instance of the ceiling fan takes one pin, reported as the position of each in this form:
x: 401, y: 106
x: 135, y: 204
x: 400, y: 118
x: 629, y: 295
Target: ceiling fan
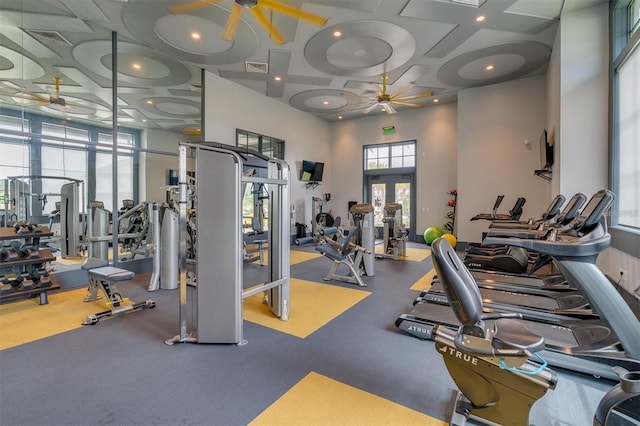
x: 256, y: 8
x: 386, y: 101
x: 53, y: 100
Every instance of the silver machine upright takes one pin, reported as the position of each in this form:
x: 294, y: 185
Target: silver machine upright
x: 219, y: 294
x: 394, y: 233
x: 362, y: 215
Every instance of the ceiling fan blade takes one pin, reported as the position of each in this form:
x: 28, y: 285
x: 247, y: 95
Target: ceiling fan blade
x: 370, y: 108
x: 186, y: 7
x: 407, y: 104
x: 273, y: 33
x: 26, y: 96
x: 420, y: 96
x: 277, y: 6
x: 400, y: 91
x: 232, y: 23
x: 389, y: 109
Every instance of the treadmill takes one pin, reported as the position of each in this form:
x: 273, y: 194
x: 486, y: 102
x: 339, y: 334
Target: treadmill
x: 552, y: 211
x: 586, y: 346
x: 567, y: 216
x: 514, y: 213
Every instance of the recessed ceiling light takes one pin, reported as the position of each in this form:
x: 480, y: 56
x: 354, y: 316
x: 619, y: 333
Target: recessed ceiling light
x: 277, y: 78
x: 339, y: 117
x: 480, y: 18
x: 325, y: 103
x: 137, y: 66
x: 195, y: 35
x: 489, y: 67
x: 337, y: 33
x: 144, y: 120
x: 436, y: 101
x: 149, y: 101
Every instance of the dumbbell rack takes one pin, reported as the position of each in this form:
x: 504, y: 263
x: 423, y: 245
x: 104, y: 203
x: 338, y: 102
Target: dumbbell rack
x: 8, y: 267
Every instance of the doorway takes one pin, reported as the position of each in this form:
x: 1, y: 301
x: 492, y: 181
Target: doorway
x: 381, y: 189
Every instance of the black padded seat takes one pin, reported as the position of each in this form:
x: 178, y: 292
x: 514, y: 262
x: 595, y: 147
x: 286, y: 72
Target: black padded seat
x: 512, y: 334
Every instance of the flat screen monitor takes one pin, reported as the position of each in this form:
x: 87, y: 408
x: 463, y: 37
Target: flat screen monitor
x: 546, y: 151
x: 308, y: 168
x: 317, y: 172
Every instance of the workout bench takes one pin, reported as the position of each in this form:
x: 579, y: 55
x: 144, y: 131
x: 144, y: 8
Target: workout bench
x: 342, y: 254
x: 103, y: 277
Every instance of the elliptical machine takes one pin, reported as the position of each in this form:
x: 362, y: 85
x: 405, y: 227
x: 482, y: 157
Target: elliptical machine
x: 498, y: 382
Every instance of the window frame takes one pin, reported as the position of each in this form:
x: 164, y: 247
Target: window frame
x: 624, y: 41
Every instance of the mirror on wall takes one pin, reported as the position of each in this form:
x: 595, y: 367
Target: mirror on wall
x: 57, y: 99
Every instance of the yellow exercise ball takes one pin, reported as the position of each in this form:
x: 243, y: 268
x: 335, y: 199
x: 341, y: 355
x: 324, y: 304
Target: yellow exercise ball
x: 451, y: 238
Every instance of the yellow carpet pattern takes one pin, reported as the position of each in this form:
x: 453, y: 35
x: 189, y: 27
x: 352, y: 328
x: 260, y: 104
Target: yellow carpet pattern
x: 302, y: 256
x: 25, y: 321
x: 319, y: 400
x: 312, y: 306
x: 413, y: 254
x: 424, y: 283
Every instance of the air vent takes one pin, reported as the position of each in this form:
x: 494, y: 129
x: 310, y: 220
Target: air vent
x: 259, y: 67
x: 50, y: 38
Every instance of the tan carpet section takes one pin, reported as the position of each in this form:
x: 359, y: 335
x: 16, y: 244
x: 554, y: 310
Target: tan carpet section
x: 413, y: 254
x: 424, y: 283
x: 319, y: 400
x: 25, y: 321
x: 312, y: 306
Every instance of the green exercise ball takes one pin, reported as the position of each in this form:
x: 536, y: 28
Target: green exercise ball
x: 431, y: 234
x: 451, y: 238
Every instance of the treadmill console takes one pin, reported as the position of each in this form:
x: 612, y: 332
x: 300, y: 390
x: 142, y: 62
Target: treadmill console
x: 594, y: 210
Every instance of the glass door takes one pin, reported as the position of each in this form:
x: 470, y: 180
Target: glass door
x: 384, y: 189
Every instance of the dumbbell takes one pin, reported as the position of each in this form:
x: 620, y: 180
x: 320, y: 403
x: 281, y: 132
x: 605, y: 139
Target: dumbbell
x: 25, y: 281
x: 29, y: 252
x: 5, y: 287
x: 41, y: 278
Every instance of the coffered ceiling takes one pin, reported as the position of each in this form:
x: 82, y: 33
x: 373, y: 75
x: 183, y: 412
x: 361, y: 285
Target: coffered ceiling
x: 429, y: 49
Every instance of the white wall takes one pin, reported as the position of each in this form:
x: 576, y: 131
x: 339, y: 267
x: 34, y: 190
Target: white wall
x: 154, y: 168
x: 493, y: 124
x: 229, y: 106
x: 584, y: 85
x: 433, y: 129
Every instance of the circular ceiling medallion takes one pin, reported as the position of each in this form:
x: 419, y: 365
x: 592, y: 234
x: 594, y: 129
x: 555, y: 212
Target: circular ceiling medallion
x: 172, y: 33
x: 363, y: 48
x: 192, y: 34
x: 493, y: 66
x: 96, y: 56
x: 358, y: 52
x: 325, y: 100
x: 518, y: 60
x: 137, y: 66
x: 14, y: 65
x: 170, y: 106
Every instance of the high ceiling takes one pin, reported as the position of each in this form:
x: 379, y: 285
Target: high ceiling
x: 432, y: 47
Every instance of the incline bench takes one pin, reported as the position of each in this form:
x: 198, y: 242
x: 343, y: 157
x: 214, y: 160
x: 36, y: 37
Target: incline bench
x: 103, y: 277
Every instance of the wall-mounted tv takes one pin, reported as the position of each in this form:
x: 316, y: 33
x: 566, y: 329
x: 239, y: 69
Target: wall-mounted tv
x: 546, y: 152
x: 311, y: 171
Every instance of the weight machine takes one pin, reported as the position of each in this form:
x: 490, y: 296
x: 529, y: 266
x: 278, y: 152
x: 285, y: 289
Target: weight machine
x: 134, y: 228
x: 70, y: 209
x: 218, y: 197
x: 394, y: 234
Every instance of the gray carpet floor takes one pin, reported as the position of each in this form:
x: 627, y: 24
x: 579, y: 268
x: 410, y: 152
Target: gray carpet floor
x: 120, y: 372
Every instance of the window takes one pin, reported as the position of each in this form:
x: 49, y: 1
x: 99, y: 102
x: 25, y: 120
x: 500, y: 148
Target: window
x: 35, y: 145
x: 266, y: 145
x: 390, y: 156
x: 625, y: 167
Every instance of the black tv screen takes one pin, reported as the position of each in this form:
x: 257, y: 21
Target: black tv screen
x: 546, y: 151
x: 308, y: 168
x: 317, y: 172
